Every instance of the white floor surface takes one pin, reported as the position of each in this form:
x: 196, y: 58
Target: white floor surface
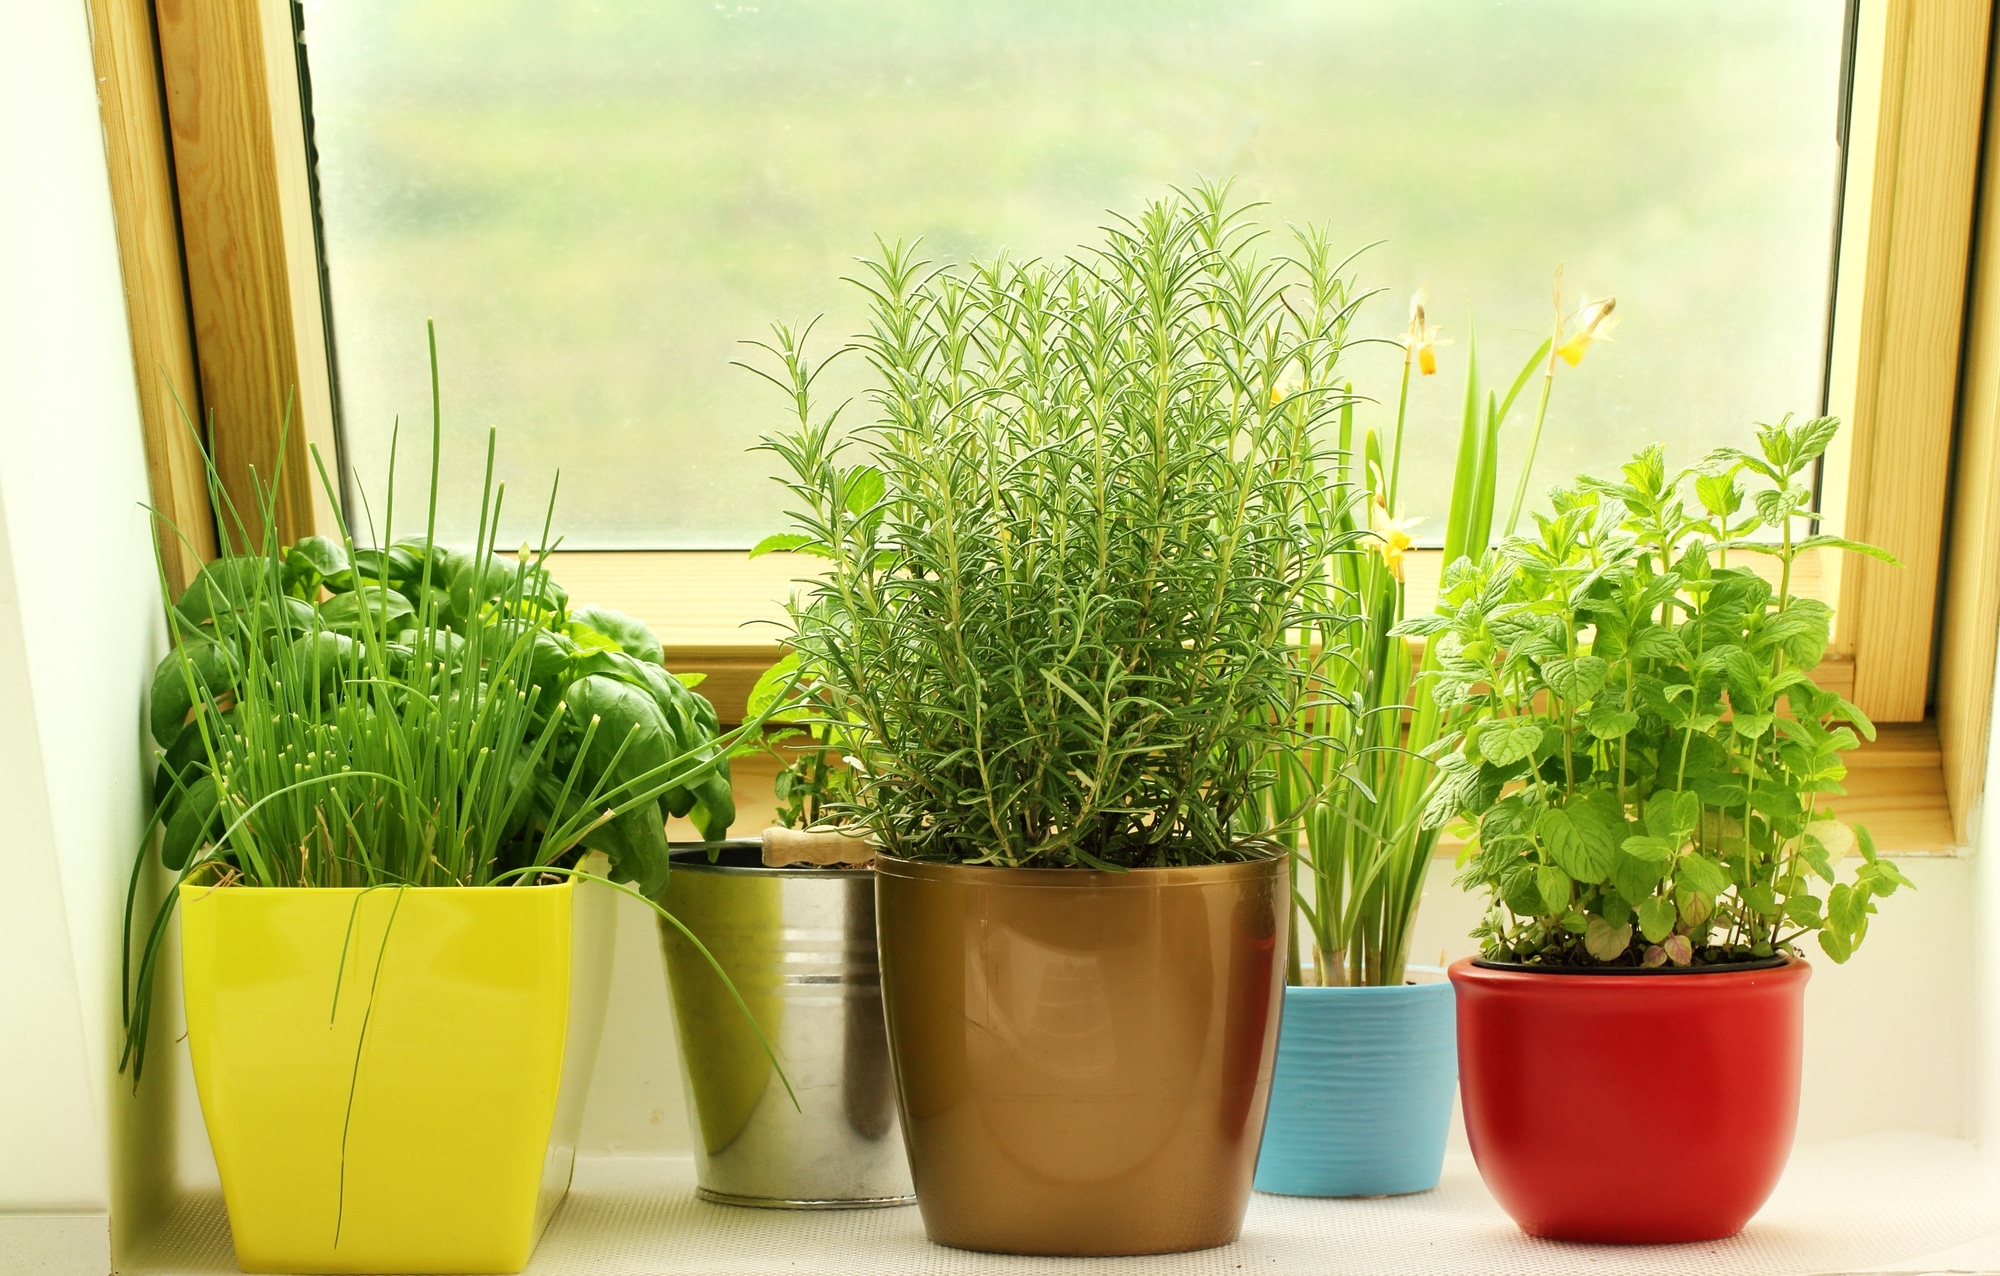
x: 1899, y: 1203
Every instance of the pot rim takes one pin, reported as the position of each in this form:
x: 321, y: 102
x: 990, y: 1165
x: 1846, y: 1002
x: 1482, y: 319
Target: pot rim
x: 692, y: 857
x: 202, y: 890
x: 1430, y: 988
x: 1480, y: 970
x: 1263, y: 865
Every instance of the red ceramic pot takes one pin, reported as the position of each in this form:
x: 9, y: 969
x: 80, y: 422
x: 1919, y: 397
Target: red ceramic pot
x: 1636, y: 1108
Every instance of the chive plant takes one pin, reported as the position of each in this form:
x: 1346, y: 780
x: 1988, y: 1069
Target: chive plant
x: 1069, y: 555
x: 416, y: 716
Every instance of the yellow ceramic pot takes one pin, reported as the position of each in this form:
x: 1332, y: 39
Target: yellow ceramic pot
x: 393, y: 1079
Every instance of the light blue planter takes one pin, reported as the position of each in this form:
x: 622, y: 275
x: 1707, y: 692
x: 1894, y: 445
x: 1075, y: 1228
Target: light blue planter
x: 1361, y: 1096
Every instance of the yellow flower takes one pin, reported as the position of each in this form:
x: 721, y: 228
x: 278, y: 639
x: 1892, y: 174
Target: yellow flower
x: 1389, y: 537
x: 1421, y: 340
x: 1594, y: 321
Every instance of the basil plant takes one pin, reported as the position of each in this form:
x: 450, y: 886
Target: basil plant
x: 425, y: 715
x: 1644, y: 758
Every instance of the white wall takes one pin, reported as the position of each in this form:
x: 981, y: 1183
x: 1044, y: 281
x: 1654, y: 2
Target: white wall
x: 1985, y: 959
x: 77, y: 641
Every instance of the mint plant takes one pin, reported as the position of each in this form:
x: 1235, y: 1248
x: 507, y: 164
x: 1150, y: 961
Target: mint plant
x: 1643, y: 754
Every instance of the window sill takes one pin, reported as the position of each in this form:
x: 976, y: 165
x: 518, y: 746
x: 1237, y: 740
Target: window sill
x: 1900, y: 1202
x: 719, y: 613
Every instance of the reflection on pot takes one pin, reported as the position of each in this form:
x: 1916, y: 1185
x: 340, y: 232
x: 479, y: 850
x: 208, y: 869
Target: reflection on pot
x: 1082, y: 1058
x: 799, y: 944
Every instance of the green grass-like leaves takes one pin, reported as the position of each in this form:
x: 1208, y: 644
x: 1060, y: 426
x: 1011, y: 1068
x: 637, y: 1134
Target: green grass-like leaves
x: 334, y: 715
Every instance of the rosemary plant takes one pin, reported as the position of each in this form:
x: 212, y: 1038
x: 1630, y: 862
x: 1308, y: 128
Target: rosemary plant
x: 1068, y: 556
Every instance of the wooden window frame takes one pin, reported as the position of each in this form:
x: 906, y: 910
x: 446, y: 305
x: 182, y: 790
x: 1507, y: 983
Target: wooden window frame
x: 206, y: 143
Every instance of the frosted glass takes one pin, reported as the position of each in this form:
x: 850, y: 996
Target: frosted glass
x: 598, y: 202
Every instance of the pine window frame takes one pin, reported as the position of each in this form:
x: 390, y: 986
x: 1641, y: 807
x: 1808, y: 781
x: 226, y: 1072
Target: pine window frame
x: 206, y: 144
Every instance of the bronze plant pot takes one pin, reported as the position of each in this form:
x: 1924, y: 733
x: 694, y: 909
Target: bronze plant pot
x: 1082, y: 1059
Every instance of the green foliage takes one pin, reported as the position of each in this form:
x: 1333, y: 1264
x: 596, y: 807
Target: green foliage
x: 809, y: 745
x: 1060, y: 585
x: 1366, y: 767
x: 1642, y: 748
x: 479, y: 729
x: 418, y: 715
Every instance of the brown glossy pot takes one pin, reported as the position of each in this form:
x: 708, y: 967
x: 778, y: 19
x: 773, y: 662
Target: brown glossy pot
x: 1082, y: 1059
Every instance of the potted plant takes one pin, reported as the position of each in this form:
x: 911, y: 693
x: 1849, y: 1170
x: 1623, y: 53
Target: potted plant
x: 383, y: 771
x: 1646, y: 761
x: 793, y: 926
x: 1063, y: 562
x: 1366, y: 1069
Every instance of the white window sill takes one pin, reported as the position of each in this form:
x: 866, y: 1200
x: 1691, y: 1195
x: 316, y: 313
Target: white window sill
x: 1894, y: 1203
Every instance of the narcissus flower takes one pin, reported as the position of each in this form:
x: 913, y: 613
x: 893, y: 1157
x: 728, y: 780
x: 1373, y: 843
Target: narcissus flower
x: 1420, y: 342
x: 1594, y: 321
x: 1389, y: 536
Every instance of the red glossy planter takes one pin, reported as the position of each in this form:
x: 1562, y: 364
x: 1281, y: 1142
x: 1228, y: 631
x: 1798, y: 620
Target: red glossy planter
x: 1568, y: 1080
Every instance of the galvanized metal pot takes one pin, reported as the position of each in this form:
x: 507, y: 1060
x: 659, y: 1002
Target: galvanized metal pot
x: 799, y: 943
x: 1082, y: 1059
x: 1361, y: 1098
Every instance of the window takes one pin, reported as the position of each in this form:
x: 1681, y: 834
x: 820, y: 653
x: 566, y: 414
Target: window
x: 1677, y: 154
x: 599, y: 203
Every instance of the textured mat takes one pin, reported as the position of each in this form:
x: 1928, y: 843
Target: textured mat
x: 1892, y: 1203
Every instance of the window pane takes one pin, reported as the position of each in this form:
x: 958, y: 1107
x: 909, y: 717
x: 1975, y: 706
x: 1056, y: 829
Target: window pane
x: 599, y: 202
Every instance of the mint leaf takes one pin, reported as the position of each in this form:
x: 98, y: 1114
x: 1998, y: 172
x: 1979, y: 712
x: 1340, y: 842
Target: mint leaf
x: 1605, y: 941
x: 1700, y: 873
x: 1555, y: 887
x: 1505, y: 743
x: 1653, y: 850
x: 1608, y: 724
x: 1584, y: 857
x: 780, y: 542
x: 1656, y: 919
x: 1575, y: 679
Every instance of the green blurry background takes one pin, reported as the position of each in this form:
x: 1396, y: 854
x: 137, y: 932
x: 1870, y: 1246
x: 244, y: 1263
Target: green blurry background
x: 598, y: 202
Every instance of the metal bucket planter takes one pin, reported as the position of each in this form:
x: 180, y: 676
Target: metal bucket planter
x: 799, y: 943
x: 1361, y: 1097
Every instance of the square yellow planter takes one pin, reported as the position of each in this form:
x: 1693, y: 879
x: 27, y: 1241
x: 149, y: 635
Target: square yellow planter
x: 393, y: 1079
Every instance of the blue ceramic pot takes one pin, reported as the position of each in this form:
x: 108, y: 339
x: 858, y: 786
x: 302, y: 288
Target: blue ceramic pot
x: 1361, y: 1095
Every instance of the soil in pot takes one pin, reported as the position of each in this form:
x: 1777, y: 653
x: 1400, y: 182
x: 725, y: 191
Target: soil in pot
x: 1082, y: 1059
x: 1557, y: 1070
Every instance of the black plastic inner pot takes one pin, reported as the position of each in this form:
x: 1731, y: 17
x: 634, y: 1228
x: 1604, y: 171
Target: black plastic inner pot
x: 1713, y: 968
